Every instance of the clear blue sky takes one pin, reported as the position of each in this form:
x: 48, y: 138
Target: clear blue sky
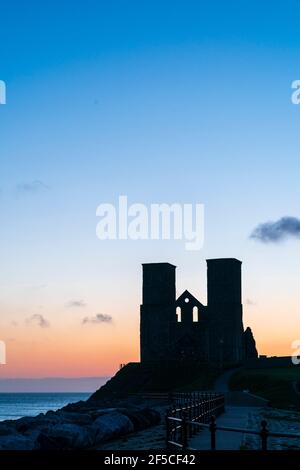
x: 182, y: 101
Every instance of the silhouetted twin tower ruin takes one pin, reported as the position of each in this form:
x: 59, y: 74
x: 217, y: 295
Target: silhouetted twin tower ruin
x: 184, y: 329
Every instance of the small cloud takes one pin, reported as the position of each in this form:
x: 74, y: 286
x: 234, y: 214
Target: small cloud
x: 276, y: 231
x: 14, y: 323
x: 76, y: 303
x: 250, y: 302
x: 32, y: 187
x: 38, y: 320
x: 99, y: 318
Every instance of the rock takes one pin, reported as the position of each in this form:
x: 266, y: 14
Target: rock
x: 79, y: 405
x: 142, y: 418
x: 16, y: 442
x: 6, y: 429
x: 65, y: 437
x: 25, y: 423
x: 109, y: 426
x: 102, y: 411
x: 28, y: 422
x: 76, y: 427
x: 77, y: 418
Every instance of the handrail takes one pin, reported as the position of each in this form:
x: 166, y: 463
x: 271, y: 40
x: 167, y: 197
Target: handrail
x: 187, y: 425
x: 196, y: 408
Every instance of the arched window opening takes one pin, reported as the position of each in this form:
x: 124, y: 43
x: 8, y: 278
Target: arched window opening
x: 178, y: 313
x: 195, y: 314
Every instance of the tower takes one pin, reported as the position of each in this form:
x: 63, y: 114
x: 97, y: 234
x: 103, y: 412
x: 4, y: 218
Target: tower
x: 159, y: 295
x: 224, y: 298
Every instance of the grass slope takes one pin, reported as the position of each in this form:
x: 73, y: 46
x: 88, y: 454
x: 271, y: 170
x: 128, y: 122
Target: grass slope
x: 135, y: 377
x: 275, y: 384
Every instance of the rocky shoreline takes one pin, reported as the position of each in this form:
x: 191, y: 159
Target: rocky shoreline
x: 82, y: 425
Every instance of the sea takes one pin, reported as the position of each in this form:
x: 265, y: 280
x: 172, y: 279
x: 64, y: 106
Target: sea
x: 16, y: 405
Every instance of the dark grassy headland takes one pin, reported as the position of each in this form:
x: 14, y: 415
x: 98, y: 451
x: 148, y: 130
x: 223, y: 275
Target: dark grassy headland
x: 279, y: 385
x: 137, y: 378
x: 275, y: 379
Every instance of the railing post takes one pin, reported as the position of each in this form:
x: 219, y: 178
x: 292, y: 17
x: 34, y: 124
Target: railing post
x: 201, y: 411
x: 213, y: 428
x: 264, y: 435
x: 178, y: 426
x: 190, y: 419
x: 184, y: 431
x: 167, y: 421
x: 194, y: 416
x: 174, y: 428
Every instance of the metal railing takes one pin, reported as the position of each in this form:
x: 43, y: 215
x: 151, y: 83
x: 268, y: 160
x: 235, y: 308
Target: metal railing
x: 189, y: 413
x: 185, y: 428
x: 178, y: 398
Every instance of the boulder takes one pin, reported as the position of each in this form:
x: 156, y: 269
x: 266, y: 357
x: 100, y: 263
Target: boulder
x: 78, y: 406
x: 27, y: 423
x: 102, y: 411
x: 109, y: 426
x: 77, y: 418
x: 142, y: 418
x: 76, y: 427
x: 6, y: 429
x: 16, y: 442
x: 64, y: 437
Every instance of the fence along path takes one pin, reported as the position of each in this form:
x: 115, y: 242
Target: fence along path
x: 199, y: 412
x: 234, y: 417
x: 189, y: 410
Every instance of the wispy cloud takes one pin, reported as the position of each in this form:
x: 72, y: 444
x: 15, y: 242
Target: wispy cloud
x: 250, y: 302
x: 276, y: 231
x: 98, y: 318
x: 76, y: 303
x: 32, y: 187
x: 38, y: 320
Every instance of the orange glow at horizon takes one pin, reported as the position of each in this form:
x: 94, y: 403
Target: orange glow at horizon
x: 70, y: 349
x: 81, y: 351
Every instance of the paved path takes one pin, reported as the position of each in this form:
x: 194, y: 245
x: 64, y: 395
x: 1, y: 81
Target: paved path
x: 222, y: 382
x: 237, y: 398
x: 236, y: 417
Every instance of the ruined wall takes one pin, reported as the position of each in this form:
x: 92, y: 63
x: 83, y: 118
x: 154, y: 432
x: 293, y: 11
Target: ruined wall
x: 157, y: 310
x: 217, y: 336
x: 225, y: 311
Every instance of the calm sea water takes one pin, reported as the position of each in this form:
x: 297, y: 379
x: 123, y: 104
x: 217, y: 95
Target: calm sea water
x: 16, y: 405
